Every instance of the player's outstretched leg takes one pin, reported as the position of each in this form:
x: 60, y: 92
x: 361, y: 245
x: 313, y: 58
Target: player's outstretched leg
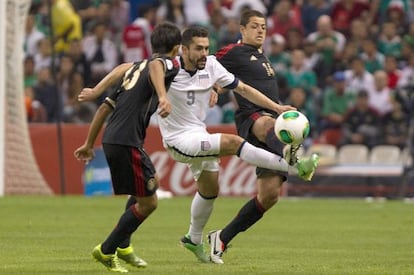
x: 110, y: 261
x: 128, y: 255
x: 217, y: 247
x: 196, y: 249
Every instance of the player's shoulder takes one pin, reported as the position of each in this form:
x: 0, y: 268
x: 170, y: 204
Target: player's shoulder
x: 233, y: 48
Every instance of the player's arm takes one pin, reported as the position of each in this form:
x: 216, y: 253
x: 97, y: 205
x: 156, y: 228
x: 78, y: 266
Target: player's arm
x: 88, y: 94
x: 85, y: 152
x: 260, y: 99
x: 157, y: 75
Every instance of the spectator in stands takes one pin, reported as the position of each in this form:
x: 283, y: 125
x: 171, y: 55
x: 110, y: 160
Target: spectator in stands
x: 32, y: 36
x: 396, y: 13
x: 373, y: 59
x: 389, y: 41
x: 66, y: 24
x: 344, y: 11
x: 361, y: 123
x: 43, y: 58
x: 329, y: 43
x: 69, y: 83
x: 46, y: 92
x: 348, y: 55
x: 237, y: 6
x: 294, y: 39
x: 215, y: 30
x: 407, y: 74
x: 136, y: 36
x: 300, y: 100
x: 278, y: 57
x: 311, y: 11
x: 196, y: 12
x: 357, y: 77
x: 299, y: 76
x: 379, y: 96
x: 395, y: 125
x: 231, y: 32
x: 30, y: 77
x: 393, y: 73
x: 173, y: 11
x: 100, y: 52
x: 335, y: 103
x: 87, y: 11
x: 80, y: 62
x: 283, y: 19
x: 119, y: 18
x: 359, y: 32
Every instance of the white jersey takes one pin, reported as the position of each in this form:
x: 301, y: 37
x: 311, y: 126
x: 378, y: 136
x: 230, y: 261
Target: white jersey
x: 189, y: 96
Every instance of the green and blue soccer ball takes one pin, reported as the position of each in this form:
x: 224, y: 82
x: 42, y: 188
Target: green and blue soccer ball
x: 292, y: 127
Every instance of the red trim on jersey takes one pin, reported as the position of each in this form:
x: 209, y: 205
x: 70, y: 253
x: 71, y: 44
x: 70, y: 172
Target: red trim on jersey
x: 255, y: 116
x: 223, y: 51
x: 138, y: 174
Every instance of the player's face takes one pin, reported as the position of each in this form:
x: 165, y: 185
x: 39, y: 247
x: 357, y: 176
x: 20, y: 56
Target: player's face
x: 254, y: 33
x: 197, y: 53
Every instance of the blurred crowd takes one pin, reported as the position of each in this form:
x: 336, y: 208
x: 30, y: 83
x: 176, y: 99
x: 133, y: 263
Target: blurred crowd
x: 347, y: 64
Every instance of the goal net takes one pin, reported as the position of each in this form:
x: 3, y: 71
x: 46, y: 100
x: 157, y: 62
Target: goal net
x: 19, y: 172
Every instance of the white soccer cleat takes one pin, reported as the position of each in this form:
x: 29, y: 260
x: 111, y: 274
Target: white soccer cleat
x: 290, y: 153
x: 217, y: 247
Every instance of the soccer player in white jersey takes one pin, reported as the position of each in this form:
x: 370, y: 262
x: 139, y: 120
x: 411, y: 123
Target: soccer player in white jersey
x: 186, y: 138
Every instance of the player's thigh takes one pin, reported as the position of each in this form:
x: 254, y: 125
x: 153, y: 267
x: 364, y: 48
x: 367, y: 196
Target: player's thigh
x: 262, y: 126
x: 201, y: 146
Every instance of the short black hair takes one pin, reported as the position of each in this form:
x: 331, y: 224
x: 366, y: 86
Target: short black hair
x: 165, y: 37
x: 194, y: 31
x: 247, y: 14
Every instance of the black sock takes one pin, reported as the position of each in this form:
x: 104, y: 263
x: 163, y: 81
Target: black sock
x: 127, y: 225
x: 248, y: 215
x: 273, y: 142
x: 131, y: 201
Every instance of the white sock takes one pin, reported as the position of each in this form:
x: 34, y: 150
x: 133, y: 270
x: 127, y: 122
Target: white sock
x: 262, y: 158
x: 201, y: 209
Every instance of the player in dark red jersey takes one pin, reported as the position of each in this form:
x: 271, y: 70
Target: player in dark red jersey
x: 142, y: 91
x: 255, y: 124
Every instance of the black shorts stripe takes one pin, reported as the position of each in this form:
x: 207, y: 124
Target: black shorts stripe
x: 191, y: 156
x: 138, y: 174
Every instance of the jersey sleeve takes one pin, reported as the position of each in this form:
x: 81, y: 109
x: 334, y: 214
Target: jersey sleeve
x: 223, y: 77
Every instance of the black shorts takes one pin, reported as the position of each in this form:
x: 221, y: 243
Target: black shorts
x: 244, y: 123
x: 132, y: 171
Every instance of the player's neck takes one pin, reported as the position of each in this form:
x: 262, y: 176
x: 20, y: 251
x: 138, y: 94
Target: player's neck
x: 187, y: 66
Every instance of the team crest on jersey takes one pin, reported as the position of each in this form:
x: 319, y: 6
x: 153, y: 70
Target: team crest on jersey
x: 253, y: 58
x: 205, y: 146
x: 203, y: 79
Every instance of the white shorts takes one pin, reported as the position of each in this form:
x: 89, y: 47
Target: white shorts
x: 200, y: 151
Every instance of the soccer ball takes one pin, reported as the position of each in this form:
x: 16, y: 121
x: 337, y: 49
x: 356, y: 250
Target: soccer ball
x: 292, y: 127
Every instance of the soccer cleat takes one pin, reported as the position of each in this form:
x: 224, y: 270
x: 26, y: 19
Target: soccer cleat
x: 109, y: 260
x: 197, y: 249
x: 217, y: 247
x: 307, y: 166
x: 127, y: 255
x: 290, y: 153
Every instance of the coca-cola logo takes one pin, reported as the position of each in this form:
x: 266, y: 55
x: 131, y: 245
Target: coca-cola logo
x: 236, y: 177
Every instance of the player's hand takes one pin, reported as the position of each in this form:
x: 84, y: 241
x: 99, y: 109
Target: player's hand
x: 213, y: 99
x: 84, y: 154
x: 284, y: 108
x: 87, y: 94
x: 164, y: 107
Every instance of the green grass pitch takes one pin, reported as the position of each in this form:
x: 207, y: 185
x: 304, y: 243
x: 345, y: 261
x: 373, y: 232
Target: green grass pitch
x: 55, y: 235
